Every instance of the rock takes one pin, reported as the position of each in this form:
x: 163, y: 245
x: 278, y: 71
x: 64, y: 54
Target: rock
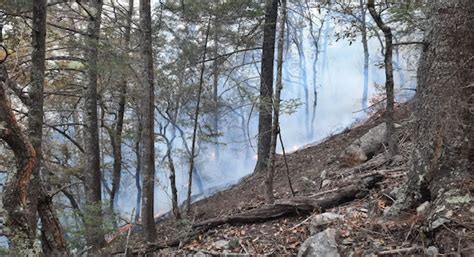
x: 234, y: 243
x: 423, y: 209
x: 364, y: 147
x: 221, y: 244
x: 326, y: 183
x: 200, y: 254
x: 432, y: 251
x: 322, y: 244
x: 323, y: 174
x: 323, y: 220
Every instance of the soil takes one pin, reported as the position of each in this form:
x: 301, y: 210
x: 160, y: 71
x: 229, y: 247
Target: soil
x: 364, y: 231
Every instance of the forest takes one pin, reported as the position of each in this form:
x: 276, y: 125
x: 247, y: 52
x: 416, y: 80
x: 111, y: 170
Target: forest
x: 236, y: 127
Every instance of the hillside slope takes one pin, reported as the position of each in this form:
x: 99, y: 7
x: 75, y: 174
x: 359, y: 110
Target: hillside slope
x: 315, y: 171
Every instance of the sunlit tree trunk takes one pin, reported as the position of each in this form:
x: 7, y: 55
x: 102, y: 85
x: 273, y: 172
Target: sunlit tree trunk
x: 266, y: 86
x: 94, y: 231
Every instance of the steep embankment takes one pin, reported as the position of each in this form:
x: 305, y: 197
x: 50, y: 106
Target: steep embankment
x: 316, y: 172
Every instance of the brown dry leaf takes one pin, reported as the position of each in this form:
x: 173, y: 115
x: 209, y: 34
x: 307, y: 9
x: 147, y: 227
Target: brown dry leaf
x: 381, y: 204
x: 344, y: 232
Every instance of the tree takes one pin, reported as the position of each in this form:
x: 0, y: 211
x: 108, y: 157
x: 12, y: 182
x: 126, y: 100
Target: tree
x: 389, y: 84
x: 147, y: 143
x: 93, y: 187
x: 443, y: 135
x: 25, y: 196
x: 116, y: 132
x: 266, y: 86
x: 196, y: 121
x: 52, y: 235
x: 16, y: 193
x: 364, y: 40
x: 276, y: 106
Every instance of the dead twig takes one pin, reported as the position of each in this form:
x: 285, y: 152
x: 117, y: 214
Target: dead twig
x: 401, y: 251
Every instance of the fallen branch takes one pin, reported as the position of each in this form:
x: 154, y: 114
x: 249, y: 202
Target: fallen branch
x: 296, y: 205
x: 401, y: 251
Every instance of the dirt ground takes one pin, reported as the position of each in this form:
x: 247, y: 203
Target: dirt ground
x: 363, y: 232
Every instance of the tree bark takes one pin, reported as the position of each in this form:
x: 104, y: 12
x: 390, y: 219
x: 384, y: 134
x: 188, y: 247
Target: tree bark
x: 174, y: 190
x: 365, y: 45
x: 196, y: 121
x: 147, y: 143
x: 94, y: 233
x: 116, y: 137
x: 443, y: 154
x: 137, y: 173
x: 266, y: 86
x: 389, y: 84
x: 215, y: 96
x: 269, y: 197
x: 52, y: 233
x: 16, y: 192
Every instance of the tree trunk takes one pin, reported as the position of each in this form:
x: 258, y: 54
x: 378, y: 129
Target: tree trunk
x: 316, y: 39
x: 266, y: 86
x: 16, y: 193
x: 53, y: 236
x: 443, y: 155
x: 137, y: 173
x: 116, y: 138
x: 269, y: 197
x: 389, y: 84
x: 148, y: 129
x: 196, y: 120
x: 365, y: 45
x: 215, y: 95
x: 94, y: 233
x: 174, y: 190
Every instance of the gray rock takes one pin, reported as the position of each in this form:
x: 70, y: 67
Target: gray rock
x: 323, y: 220
x: 367, y: 145
x: 424, y: 208
x: 323, y: 174
x: 432, y: 251
x: 326, y: 183
x: 221, y: 244
x: 322, y: 244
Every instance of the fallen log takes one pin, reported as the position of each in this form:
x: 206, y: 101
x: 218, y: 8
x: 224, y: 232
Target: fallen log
x: 296, y: 205
x: 282, y: 208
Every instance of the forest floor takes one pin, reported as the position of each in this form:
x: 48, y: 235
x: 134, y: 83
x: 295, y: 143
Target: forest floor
x: 314, y: 170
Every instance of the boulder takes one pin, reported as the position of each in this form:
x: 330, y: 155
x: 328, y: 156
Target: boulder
x: 322, y: 244
x: 365, y: 147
